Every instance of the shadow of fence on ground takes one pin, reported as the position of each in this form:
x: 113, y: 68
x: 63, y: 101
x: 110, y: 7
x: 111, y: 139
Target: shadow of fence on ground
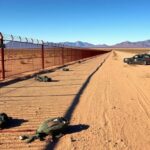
x: 74, y: 104
x: 76, y: 128
x: 18, y: 79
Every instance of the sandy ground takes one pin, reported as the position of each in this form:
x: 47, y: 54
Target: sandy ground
x: 116, y: 107
x: 111, y: 110
x: 30, y: 102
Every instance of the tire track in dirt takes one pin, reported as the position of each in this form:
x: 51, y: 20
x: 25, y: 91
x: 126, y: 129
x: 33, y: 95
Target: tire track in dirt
x: 112, y: 143
x: 142, y: 99
x: 108, y: 131
x: 134, y: 79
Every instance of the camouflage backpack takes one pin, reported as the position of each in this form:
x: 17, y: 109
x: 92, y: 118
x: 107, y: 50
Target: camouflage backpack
x: 4, y: 120
x: 43, y: 78
x: 53, y: 127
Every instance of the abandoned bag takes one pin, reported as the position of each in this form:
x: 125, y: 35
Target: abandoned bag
x: 43, y: 78
x: 53, y: 127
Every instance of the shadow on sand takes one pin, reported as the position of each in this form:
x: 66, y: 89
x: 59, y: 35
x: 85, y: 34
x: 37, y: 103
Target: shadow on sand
x: 19, y: 79
x: 14, y: 123
x: 69, y: 112
x: 76, y: 128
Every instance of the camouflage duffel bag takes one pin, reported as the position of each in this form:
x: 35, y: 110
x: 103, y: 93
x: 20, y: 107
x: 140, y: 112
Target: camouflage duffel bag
x: 43, y: 78
x: 53, y: 127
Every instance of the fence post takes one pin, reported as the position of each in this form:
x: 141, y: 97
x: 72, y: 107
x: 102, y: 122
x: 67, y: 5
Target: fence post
x: 62, y: 55
x: 42, y: 55
x: 2, y: 55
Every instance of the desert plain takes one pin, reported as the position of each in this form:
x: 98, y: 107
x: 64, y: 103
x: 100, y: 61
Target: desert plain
x: 106, y: 100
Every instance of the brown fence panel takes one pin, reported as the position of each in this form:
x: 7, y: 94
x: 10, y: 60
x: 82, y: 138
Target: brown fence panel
x: 49, y: 57
x: 22, y: 60
x: 20, y: 55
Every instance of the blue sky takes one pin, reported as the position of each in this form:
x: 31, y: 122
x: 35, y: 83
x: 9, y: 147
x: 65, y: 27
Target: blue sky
x: 94, y: 21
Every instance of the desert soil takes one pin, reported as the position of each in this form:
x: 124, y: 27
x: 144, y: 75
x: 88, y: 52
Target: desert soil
x: 113, y: 112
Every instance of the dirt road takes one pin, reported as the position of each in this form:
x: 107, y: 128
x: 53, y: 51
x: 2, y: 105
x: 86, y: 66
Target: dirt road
x: 30, y: 102
x: 116, y: 107
x: 112, y: 110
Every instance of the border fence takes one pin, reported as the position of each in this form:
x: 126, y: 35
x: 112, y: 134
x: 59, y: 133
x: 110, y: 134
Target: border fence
x: 20, y: 55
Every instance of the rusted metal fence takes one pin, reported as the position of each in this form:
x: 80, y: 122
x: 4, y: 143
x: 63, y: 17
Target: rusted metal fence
x: 20, y: 55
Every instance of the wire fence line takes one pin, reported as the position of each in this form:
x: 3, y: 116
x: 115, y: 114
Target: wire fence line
x: 20, y: 55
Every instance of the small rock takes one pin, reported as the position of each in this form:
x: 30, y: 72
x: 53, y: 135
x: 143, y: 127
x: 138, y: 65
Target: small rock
x: 121, y: 140
x: 109, y: 141
x: 115, y: 144
x: 114, y: 107
x: 72, y: 139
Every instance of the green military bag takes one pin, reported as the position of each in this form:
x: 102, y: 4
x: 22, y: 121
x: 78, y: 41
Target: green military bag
x: 43, y: 78
x: 4, y: 119
x: 53, y: 127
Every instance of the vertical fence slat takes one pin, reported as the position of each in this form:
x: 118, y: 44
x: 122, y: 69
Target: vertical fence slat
x: 2, y: 55
x: 62, y: 55
x: 42, y: 55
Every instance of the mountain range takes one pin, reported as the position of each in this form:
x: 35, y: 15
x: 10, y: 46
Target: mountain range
x: 126, y: 44
x: 82, y: 44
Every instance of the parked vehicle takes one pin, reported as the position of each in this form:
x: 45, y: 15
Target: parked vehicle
x: 143, y: 59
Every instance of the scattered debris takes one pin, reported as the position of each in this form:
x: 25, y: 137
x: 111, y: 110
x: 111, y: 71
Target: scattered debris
x: 53, y: 127
x: 72, y: 139
x: 109, y: 141
x: 115, y: 144
x: 114, y: 107
x: 121, y: 140
x: 43, y: 78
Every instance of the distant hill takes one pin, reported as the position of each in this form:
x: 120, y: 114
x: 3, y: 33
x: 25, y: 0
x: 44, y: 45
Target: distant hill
x: 13, y: 44
x: 82, y: 44
x: 126, y: 44
x: 78, y: 44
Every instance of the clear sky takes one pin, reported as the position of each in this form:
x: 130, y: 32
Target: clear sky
x: 94, y: 21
